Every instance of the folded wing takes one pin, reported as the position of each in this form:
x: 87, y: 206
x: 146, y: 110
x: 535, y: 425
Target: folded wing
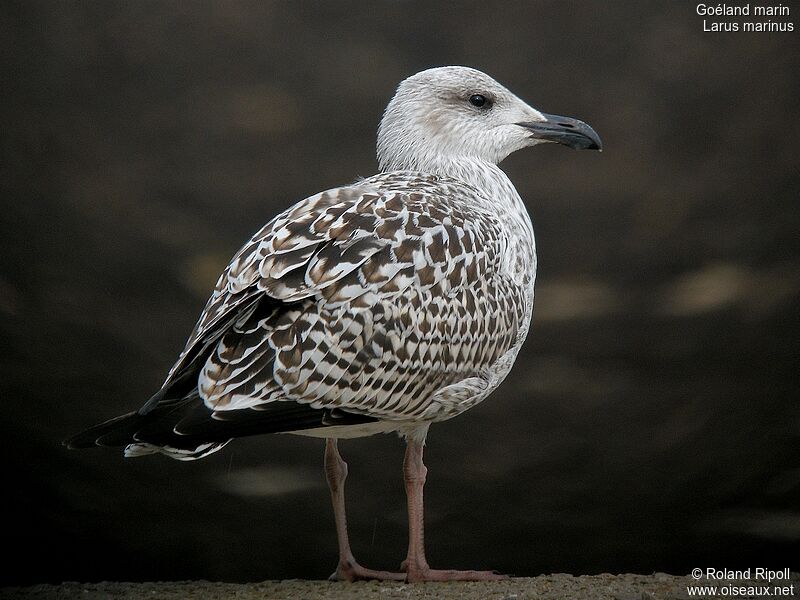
x: 363, y: 300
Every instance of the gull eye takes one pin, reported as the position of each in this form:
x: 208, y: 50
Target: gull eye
x: 478, y: 100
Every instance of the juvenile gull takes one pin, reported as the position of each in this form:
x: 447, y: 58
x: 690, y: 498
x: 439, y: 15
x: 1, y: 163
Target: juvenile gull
x: 388, y: 304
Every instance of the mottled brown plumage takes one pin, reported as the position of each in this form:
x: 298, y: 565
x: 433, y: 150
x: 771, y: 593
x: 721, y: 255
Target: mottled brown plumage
x: 377, y: 312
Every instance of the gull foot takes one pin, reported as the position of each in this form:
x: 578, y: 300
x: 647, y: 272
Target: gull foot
x: 352, y: 571
x: 427, y: 574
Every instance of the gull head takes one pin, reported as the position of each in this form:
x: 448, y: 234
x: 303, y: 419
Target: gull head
x: 447, y: 113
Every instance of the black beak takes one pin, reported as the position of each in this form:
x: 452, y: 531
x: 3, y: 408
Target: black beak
x: 564, y: 130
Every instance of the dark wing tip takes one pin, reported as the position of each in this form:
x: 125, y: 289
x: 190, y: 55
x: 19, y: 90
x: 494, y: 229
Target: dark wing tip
x: 114, y: 432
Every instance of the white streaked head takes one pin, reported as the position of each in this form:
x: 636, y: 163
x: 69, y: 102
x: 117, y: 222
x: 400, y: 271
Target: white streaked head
x: 450, y: 112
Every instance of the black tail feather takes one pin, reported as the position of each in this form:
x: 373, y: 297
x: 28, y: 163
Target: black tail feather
x: 188, y: 423
x: 114, y: 432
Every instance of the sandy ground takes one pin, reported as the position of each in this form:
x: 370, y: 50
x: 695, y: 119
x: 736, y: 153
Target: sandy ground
x: 596, y: 587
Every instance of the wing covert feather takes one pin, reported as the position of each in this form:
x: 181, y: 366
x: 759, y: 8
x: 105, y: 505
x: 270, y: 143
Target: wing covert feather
x: 369, y: 301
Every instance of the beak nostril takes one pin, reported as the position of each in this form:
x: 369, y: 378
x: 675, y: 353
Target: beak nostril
x: 569, y: 125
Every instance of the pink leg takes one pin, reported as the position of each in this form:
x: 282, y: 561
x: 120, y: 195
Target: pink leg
x: 347, y: 569
x: 416, y: 565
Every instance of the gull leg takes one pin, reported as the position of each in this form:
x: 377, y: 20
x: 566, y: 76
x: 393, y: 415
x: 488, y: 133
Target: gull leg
x: 347, y: 569
x: 416, y: 565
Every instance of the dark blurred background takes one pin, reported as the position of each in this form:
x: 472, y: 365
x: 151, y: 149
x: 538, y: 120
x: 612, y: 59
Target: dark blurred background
x: 652, y: 421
